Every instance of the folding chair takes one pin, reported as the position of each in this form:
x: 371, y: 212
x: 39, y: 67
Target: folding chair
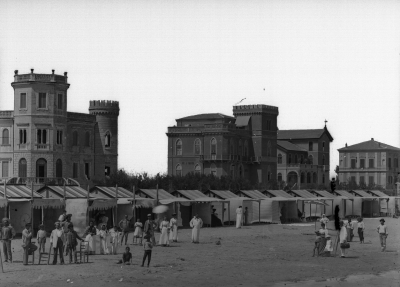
x: 83, y: 250
x: 44, y: 255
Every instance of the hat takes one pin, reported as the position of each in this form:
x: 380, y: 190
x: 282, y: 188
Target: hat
x: 41, y: 225
x: 382, y: 220
x: 57, y: 223
x: 68, y: 215
x: 327, y: 236
x: 173, y: 213
x: 149, y: 215
x: 5, y: 219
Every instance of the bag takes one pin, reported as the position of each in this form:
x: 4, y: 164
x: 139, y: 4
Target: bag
x: 345, y: 245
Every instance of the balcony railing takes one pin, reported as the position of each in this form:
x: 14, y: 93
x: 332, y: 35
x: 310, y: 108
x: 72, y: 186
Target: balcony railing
x: 43, y: 180
x: 233, y: 158
x: 6, y: 114
x: 184, y: 130
x: 42, y: 146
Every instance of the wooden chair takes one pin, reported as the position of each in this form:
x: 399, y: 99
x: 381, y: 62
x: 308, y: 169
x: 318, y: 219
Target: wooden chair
x: 44, y: 255
x: 29, y: 254
x: 83, y: 250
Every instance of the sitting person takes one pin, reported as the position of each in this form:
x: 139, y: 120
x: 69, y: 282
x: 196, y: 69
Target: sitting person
x: 328, y: 247
x: 126, y: 257
x: 320, y: 239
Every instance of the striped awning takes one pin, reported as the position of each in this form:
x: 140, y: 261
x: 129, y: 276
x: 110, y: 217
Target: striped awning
x: 253, y: 194
x: 48, y: 203
x: 324, y: 193
x: 70, y: 191
x: 112, y: 191
x: 152, y: 193
x: 18, y: 191
x: 102, y: 204
x: 191, y: 194
x: 378, y: 193
x: 302, y: 193
x: 279, y: 193
x: 224, y: 194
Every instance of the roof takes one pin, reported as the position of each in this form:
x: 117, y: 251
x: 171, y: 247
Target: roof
x: 289, y: 146
x: 303, y: 134
x: 378, y: 193
x: 369, y: 145
x: 191, y: 194
x: 70, y: 191
x: 303, y: 193
x: 362, y: 193
x: 253, y: 194
x: 19, y: 191
x: 206, y: 116
x: 344, y: 193
x: 111, y: 191
x: 224, y: 193
x: 324, y: 193
x: 279, y: 193
x: 152, y: 193
x: 242, y: 121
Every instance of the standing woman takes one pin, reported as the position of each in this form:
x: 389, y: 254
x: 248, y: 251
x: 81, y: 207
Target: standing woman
x: 360, y: 229
x: 239, y: 215
x: 343, y: 239
x: 89, y: 233
x: 173, y: 223
x: 164, y: 226
x: 196, y: 223
x: 348, y: 226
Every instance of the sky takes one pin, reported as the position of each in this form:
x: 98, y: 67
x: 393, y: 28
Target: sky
x: 163, y: 60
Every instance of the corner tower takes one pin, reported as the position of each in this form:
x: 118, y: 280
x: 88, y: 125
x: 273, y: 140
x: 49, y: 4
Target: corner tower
x: 105, y: 136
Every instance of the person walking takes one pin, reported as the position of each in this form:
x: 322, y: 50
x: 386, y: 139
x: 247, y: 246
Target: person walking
x: 360, y: 229
x: 147, y: 246
x: 343, y: 239
x: 239, y: 215
x: 173, y: 224
x: 124, y: 225
x: 27, y: 244
x: 383, y: 234
x: 6, y: 236
x: 196, y: 223
x: 57, y: 238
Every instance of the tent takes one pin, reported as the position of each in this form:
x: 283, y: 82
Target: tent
x: 287, y: 209
x: 230, y: 208
x: 327, y: 209
x: 247, y: 202
x: 370, y: 204
x: 349, y: 205
x: 256, y: 208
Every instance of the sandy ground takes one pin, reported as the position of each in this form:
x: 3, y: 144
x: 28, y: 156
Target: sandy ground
x: 257, y: 255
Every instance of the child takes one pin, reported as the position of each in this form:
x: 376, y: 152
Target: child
x: 138, y: 234
x: 103, y: 237
x: 328, y: 247
x: 126, y: 257
x: 72, y: 243
x: 147, y: 246
x: 360, y: 229
x: 320, y: 234
x: 114, y: 237
x: 41, y: 238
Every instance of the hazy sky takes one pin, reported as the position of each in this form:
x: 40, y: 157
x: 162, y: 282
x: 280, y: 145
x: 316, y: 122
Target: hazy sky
x: 162, y: 60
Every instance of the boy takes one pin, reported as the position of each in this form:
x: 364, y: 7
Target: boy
x: 147, y: 246
x: 27, y: 245
x: 72, y: 243
x: 126, y: 257
x: 7, y: 234
x: 383, y: 234
x: 41, y: 238
x: 321, y: 233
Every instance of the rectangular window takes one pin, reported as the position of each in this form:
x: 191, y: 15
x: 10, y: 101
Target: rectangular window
x: 22, y: 101
x: 41, y: 136
x: 310, y: 146
x: 353, y: 163
x: 390, y: 162
x: 60, y: 101
x: 42, y: 101
x: 396, y: 162
x: 107, y: 171
x: 75, y: 170
x: 59, y: 136
x: 371, y: 163
x: 362, y: 163
x: 353, y: 179
x: 4, y: 167
x: 87, y: 170
x: 370, y: 180
x: 362, y: 179
x: 22, y: 136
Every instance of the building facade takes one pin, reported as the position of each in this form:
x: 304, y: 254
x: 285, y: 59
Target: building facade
x: 40, y: 138
x: 370, y: 163
x: 240, y: 146
x: 303, y: 157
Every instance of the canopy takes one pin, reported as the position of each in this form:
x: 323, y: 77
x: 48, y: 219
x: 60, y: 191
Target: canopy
x: 378, y: 193
x: 48, y: 203
x: 102, y: 204
x: 302, y: 193
x: 112, y: 191
x: 177, y: 199
x: 253, y: 194
x: 191, y: 194
x: 279, y: 193
x: 362, y: 193
x: 324, y: 193
x: 242, y: 121
x: 242, y: 199
x: 315, y: 202
x: 224, y: 194
x: 152, y: 193
x: 18, y: 199
x: 209, y: 199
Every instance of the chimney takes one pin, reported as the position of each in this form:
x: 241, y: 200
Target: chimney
x: 346, y: 144
x: 372, y: 139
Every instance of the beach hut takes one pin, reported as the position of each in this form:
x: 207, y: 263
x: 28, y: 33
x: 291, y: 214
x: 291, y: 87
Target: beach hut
x: 257, y: 208
x: 387, y: 203
x: 284, y: 203
x: 348, y: 204
x: 309, y: 210
x: 370, y: 205
x: 229, y: 207
x: 327, y: 209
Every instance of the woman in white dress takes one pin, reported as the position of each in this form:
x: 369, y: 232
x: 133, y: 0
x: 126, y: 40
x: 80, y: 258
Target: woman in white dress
x: 138, y: 234
x: 89, y: 233
x: 343, y: 238
x: 103, y: 234
x: 196, y: 223
x: 173, y: 223
x: 239, y: 214
x: 164, y: 227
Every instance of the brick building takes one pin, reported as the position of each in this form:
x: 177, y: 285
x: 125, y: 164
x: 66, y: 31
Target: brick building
x: 370, y: 162
x: 241, y: 146
x: 40, y: 138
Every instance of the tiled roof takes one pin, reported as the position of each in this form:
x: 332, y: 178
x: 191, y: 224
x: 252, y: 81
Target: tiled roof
x: 362, y: 193
x: 254, y: 194
x: 70, y: 191
x: 206, y: 116
x: 324, y: 193
x: 279, y: 193
x: 344, y: 193
x: 369, y: 145
x: 18, y: 191
x: 111, y: 191
x: 152, y: 193
x: 191, y: 194
x: 303, y: 193
x: 224, y: 193
x: 302, y: 134
x: 379, y: 193
x: 289, y: 146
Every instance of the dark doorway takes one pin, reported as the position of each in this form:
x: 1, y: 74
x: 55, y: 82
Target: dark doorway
x: 186, y: 215
x: 41, y: 168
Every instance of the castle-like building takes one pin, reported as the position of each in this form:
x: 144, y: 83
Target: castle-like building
x: 40, y: 138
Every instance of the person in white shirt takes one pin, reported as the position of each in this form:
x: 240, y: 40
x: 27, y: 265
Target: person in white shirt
x: 343, y: 239
x: 324, y: 219
x: 239, y: 214
x: 383, y: 234
x: 57, y: 239
x: 360, y: 229
x: 320, y: 240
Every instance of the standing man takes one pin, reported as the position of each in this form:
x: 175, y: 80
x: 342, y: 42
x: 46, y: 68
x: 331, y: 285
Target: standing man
x: 245, y: 216
x: 7, y: 234
x: 124, y: 225
x: 149, y: 227
x: 57, y: 238
x: 383, y: 234
x: 239, y: 214
x: 27, y: 245
x: 65, y: 228
x: 196, y: 223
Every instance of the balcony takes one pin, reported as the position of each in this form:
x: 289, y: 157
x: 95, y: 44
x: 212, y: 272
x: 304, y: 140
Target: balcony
x: 6, y: 114
x: 230, y: 158
x: 184, y: 130
x: 42, y: 146
x: 22, y: 146
x: 52, y: 78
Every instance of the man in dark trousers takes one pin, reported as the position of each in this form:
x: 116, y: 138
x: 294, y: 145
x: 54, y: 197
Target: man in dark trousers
x: 7, y: 234
x: 124, y: 225
x: 149, y: 227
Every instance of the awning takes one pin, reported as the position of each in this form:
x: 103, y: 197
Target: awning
x: 18, y: 199
x: 242, y: 121
x: 143, y: 202
x: 315, y: 202
x: 3, y: 202
x: 242, y: 199
x: 209, y: 199
x: 48, y: 203
x: 177, y: 199
x: 102, y: 204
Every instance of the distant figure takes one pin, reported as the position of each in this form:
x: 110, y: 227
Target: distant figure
x: 72, y: 242
x: 126, y: 257
x: 196, y: 223
x: 360, y: 229
x: 114, y: 239
x: 57, y: 238
x: 147, y: 246
x: 324, y: 220
x: 215, y: 221
x: 149, y: 227
x: 164, y: 227
x: 343, y: 239
x: 383, y: 234
x: 124, y: 225
x: 27, y: 245
x: 173, y: 224
x: 63, y: 216
x: 41, y: 238
x: 90, y: 231
x: 103, y: 240
x: 328, y: 247
x: 138, y: 234
x: 6, y: 236
x: 239, y: 214
x: 349, y: 227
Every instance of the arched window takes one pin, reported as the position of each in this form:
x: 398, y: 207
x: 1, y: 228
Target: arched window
x: 59, y: 168
x: 178, y: 147
x: 323, y: 159
x: 310, y: 159
x: 240, y: 171
x: 213, y: 148
x: 269, y: 148
x: 107, y: 139
x: 22, y: 168
x: 323, y: 146
x: 6, y: 137
x: 279, y: 158
x: 308, y: 177
x: 314, y: 177
x: 232, y: 171
x: 213, y: 169
x: 246, y: 148
x: 178, y: 170
x: 87, y: 139
x: 41, y: 168
x: 279, y: 177
x: 74, y: 138
x: 197, y: 147
x: 240, y: 148
x: 197, y: 169
x: 302, y: 177
x: 295, y: 159
x: 289, y: 158
x: 302, y: 159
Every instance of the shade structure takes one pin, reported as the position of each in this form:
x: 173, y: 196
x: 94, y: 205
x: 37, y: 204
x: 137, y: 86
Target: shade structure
x: 18, y: 191
x: 152, y: 193
x: 110, y: 192
x: 242, y: 121
x: 253, y: 194
x: 278, y: 193
x: 190, y: 194
x: 48, y: 203
x: 362, y: 193
x: 222, y: 194
x: 248, y: 207
x: 52, y: 191
x: 378, y: 193
x: 102, y: 204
